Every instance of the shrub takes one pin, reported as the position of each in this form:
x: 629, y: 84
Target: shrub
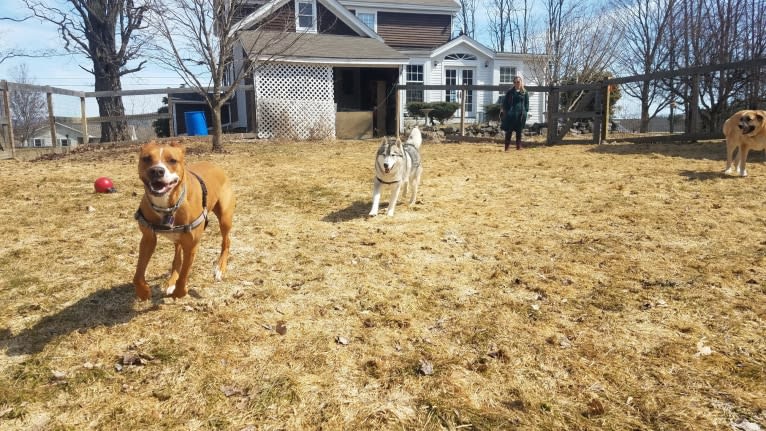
x: 443, y: 111
x: 414, y: 108
x: 493, y: 111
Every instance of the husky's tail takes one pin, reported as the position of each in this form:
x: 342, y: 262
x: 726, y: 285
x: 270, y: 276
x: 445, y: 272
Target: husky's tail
x: 415, y: 138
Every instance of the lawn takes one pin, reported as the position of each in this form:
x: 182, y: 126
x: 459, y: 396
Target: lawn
x: 569, y: 287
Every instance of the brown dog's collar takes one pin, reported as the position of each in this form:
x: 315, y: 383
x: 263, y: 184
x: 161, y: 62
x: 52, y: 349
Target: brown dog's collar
x: 168, y: 226
x: 175, y: 207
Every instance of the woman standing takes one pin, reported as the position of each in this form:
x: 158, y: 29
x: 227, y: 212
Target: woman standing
x: 513, y: 115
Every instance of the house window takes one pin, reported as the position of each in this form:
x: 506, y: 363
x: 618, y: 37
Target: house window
x: 466, y: 57
x: 305, y: 16
x: 450, y: 78
x: 64, y: 142
x: 506, y: 78
x: 414, y: 76
x: 506, y: 75
x: 38, y: 142
x: 368, y: 18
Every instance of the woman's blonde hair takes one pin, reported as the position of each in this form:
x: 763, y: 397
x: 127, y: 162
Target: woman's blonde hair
x: 521, y: 82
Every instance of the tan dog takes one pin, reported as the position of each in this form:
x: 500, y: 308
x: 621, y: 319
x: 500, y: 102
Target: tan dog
x: 176, y: 201
x: 745, y: 131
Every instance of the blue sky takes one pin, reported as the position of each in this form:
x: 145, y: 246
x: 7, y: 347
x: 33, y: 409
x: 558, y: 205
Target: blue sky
x: 65, y: 71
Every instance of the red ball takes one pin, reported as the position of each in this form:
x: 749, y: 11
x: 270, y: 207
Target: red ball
x: 104, y: 185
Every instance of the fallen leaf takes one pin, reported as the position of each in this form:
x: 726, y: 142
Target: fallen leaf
x: 341, y: 340
x: 161, y: 395
x: 702, y: 349
x: 281, y: 328
x: 230, y: 391
x: 426, y: 368
x: 746, y: 425
x: 132, y: 359
x: 595, y: 408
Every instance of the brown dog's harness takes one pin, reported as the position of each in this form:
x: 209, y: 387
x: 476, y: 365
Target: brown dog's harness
x: 168, y: 218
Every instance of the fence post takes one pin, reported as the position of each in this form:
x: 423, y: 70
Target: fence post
x: 84, y: 117
x: 462, y: 109
x: 598, y: 105
x: 693, y: 113
x: 605, y: 113
x: 398, y: 112
x: 553, y: 104
x: 51, y: 118
x: 9, y: 118
x: 171, y: 112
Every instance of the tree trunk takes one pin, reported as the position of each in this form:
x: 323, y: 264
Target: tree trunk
x: 108, y: 79
x: 217, y: 128
x: 643, y: 126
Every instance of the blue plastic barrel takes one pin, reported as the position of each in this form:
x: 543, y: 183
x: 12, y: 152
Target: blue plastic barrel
x: 195, y: 123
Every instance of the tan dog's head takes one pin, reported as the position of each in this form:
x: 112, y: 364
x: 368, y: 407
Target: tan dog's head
x: 751, y: 121
x: 161, y: 167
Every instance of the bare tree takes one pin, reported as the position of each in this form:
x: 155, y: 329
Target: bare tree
x: 9, y: 52
x: 716, y: 32
x: 645, y: 26
x: 579, y: 45
x: 466, y: 19
x: 201, y: 44
x: 28, y: 107
x: 499, y: 16
x: 521, y: 26
x: 108, y: 32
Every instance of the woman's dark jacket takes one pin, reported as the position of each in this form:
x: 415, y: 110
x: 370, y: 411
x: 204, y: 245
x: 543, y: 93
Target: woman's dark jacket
x: 515, y: 107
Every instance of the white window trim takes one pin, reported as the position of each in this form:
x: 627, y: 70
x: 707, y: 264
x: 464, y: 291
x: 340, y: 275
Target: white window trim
x: 313, y: 28
x: 514, y: 72
x: 371, y: 12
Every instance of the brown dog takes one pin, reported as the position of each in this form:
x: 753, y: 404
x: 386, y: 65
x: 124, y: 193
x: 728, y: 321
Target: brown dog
x: 176, y: 201
x: 745, y: 131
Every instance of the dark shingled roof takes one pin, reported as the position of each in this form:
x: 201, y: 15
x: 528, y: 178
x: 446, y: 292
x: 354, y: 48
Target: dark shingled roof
x: 413, y: 3
x: 325, y: 48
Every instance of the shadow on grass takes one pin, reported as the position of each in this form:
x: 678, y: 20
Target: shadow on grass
x: 698, y: 150
x: 704, y: 176
x: 358, y: 209
x: 105, y: 307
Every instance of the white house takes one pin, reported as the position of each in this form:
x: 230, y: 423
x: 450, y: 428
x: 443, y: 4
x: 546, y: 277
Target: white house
x: 330, y: 58
x: 66, y: 136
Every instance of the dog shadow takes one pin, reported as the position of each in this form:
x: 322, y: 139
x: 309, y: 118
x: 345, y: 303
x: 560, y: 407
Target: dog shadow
x: 696, y: 151
x: 358, y: 209
x: 703, y: 176
x: 105, y: 307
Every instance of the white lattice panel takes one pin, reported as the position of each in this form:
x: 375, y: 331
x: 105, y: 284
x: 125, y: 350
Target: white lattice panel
x: 295, y: 101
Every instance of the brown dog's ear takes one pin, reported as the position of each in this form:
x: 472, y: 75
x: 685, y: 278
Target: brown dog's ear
x: 147, y: 145
x: 179, y: 145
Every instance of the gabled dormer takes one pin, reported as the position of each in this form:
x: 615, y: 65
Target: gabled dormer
x: 305, y: 16
x: 406, y: 24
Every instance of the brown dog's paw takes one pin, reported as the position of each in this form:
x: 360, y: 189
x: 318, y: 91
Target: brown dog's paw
x: 176, y: 292
x: 143, y: 292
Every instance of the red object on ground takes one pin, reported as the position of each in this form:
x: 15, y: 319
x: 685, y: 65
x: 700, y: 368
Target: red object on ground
x: 104, y: 185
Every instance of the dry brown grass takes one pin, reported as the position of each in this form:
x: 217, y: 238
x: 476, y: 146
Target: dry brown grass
x: 570, y: 287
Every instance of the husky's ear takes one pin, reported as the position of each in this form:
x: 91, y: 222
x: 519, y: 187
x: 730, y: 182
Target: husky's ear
x: 399, y: 142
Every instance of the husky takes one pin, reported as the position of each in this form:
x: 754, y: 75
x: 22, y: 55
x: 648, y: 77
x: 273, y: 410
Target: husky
x: 399, y: 166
